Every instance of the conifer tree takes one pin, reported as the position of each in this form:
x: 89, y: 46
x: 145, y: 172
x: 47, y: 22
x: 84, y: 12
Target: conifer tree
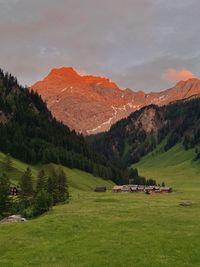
x: 163, y: 184
x: 42, y: 202
x: 57, y: 186
x: 52, y: 187
x: 4, y: 193
x: 26, y: 184
x: 62, y: 186
x: 41, y: 181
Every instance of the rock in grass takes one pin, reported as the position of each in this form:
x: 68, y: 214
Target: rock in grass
x: 13, y: 219
x: 185, y: 203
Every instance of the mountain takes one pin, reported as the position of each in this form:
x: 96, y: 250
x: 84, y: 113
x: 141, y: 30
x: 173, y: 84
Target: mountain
x: 130, y: 139
x: 30, y: 133
x: 86, y: 104
x: 91, y: 104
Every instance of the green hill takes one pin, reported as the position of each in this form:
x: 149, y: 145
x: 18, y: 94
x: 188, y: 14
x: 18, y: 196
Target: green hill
x: 77, y: 179
x: 176, y: 167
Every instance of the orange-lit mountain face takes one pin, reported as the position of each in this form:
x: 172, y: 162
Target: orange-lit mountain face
x: 92, y: 104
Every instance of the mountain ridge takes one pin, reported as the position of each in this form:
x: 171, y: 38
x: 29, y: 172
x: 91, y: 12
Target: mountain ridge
x: 131, y: 138
x: 91, y: 104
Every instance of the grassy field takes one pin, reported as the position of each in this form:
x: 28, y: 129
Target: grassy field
x: 176, y: 167
x: 115, y: 230
x: 78, y: 180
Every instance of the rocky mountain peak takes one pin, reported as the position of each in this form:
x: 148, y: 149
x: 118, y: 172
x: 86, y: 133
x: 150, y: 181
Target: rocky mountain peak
x: 91, y: 104
x: 100, y: 81
x: 191, y: 81
x: 63, y: 71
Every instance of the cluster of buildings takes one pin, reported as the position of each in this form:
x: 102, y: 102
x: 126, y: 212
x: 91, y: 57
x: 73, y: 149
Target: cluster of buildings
x: 141, y: 188
x: 136, y: 188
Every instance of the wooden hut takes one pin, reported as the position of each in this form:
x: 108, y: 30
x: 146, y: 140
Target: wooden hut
x: 141, y: 188
x: 133, y: 189
x: 126, y: 188
x: 14, y: 191
x: 100, y: 189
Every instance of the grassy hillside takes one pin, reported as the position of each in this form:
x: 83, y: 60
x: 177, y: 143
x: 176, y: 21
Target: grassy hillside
x: 176, y: 167
x: 121, y: 230
x: 78, y: 180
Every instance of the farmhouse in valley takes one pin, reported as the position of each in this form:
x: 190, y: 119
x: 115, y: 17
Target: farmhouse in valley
x: 141, y: 188
x: 100, y: 189
x: 117, y: 188
x: 14, y: 191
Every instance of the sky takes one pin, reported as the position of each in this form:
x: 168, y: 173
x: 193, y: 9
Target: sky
x: 140, y: 44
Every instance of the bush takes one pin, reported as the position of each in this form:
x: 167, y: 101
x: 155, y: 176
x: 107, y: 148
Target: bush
x: 42, y: 203
x: 15, y: 205
x: 28, y: 213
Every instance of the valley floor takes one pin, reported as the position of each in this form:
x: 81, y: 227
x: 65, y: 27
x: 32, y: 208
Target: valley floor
x: 116, y: 229
x: 107, y: 230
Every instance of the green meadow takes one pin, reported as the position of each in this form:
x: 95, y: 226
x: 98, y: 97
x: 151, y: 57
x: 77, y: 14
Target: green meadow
x: 114, y: 229
x: 176, y: 167
x: 77, y: 180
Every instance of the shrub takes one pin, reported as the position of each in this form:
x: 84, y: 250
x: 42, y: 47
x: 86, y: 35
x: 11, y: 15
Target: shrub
x: 28, y: 213
x: 42, y: 203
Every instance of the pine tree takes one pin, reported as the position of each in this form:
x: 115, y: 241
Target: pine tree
x: 4, y: 193
x: 52, y: 187
x: 26, y: 184
x: 62, y: 186
x: 42, y: 202
x: 41, y: 181
x: 57, y: 186
x: 133, y: 173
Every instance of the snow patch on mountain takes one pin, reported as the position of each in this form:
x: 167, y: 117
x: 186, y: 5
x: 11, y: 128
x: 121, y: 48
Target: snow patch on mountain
x: 64, y: 89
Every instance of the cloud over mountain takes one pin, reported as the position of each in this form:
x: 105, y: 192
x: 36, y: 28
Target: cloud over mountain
x: 173, y: 75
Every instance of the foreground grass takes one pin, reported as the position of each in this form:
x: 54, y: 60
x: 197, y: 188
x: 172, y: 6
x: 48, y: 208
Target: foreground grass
x: 96, y: 230
x: 115, y: 230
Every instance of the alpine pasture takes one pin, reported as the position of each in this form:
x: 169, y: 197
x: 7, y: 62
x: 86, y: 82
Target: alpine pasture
x: 114, y: 229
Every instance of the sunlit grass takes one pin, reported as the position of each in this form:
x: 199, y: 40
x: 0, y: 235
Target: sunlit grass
x: 115, y: 229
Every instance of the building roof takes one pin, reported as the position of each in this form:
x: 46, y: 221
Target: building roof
x: 117, y: 187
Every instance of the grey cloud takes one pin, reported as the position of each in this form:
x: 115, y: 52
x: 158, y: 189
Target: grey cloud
x: 131, y: 41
